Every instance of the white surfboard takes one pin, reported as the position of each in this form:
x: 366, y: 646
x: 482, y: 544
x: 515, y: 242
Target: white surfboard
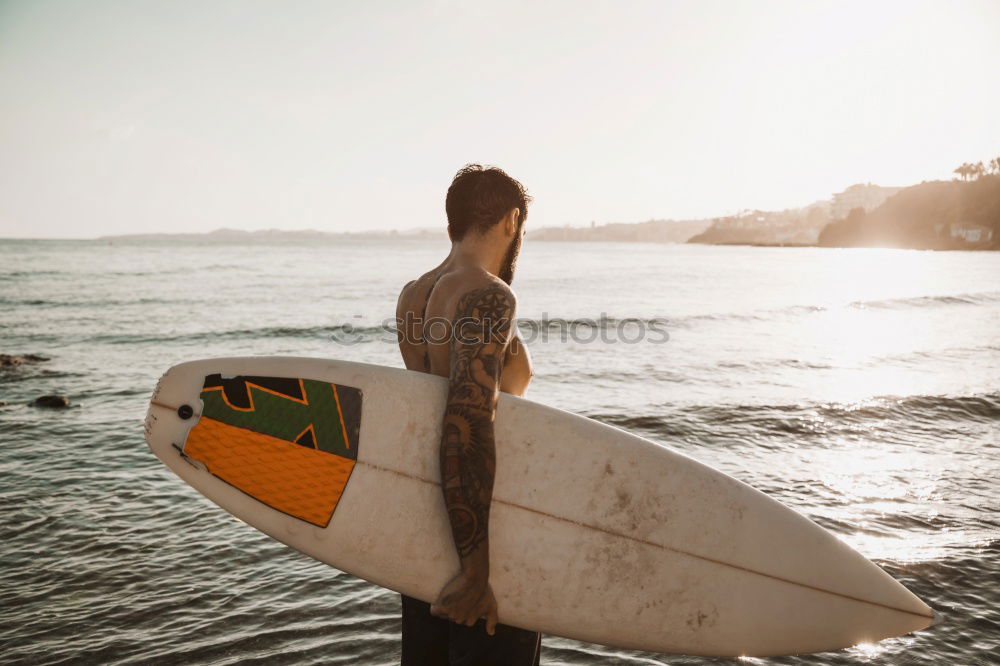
x: 595, y: 534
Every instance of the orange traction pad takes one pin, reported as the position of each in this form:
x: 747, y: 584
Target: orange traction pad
x: 291, y: 478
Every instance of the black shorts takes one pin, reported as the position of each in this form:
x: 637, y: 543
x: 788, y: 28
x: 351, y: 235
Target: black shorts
x: 434, y: 641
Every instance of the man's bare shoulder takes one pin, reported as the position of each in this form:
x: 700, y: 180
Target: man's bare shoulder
x: 461, y: 289
x: 414, y: 293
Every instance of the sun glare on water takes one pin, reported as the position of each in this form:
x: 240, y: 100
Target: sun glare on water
x: 867, y: 650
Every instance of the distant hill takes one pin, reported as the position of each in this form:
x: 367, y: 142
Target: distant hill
x: 934, y: 215
x: 651, y: 231
x: 661, y: 231
x: 794, y: 226
x: 277, y: 235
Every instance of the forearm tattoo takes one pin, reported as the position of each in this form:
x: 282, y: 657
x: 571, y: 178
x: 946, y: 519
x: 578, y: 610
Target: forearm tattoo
x: 468, y: 455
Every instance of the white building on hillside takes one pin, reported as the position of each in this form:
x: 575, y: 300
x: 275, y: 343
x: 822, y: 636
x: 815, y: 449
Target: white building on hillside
x: 971, y: 233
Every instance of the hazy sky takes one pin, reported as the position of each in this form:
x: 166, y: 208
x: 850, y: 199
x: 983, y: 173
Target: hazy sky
x: 146, y: 116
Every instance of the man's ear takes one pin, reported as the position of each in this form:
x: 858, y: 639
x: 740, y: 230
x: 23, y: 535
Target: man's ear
x: 510, y: 221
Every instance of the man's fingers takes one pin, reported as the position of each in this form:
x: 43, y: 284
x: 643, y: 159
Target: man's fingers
x: 491, y: 619
x: 445, y: 613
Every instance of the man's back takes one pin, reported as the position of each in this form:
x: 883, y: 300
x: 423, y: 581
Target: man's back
x: 425, y: 313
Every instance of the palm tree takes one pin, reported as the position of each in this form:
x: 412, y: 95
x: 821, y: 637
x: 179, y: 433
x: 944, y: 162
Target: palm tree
x: 964, y: 170
x: 995, y: 165
x: 978, y: 170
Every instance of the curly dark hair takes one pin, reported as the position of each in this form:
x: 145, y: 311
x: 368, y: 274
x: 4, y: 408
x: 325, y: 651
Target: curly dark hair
x: 479, y: 197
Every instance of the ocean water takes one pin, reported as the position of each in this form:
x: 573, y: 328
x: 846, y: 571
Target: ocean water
x: 860, y: 387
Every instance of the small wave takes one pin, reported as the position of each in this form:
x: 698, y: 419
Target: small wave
x: 756, y: 315
x: 978, y: 298
x: 973, y: 407
x: 26, y: 301
x: 20, y: 274
x: 171, y: 271
x: 342, y: 332
x: 821, y: 419
x: 924, y: 356
x: 312, y: 331
x: 108, y: 302
x: 768, y: 314
x: 602, y: 321
x: 772, y: 363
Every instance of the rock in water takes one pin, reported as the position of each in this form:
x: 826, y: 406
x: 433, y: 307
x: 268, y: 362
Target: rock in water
x: 11, y: 360
x: 53, y: 401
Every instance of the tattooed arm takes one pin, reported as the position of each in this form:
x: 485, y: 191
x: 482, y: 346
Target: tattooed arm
x: 481, y: 333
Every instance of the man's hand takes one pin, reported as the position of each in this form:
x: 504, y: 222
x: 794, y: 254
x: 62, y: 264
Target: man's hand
x: 465, y: 599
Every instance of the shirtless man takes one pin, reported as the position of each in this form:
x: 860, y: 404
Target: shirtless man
x: 457, y: 321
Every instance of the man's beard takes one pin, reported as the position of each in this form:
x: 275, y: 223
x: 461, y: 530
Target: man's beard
x: 510, y: 259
